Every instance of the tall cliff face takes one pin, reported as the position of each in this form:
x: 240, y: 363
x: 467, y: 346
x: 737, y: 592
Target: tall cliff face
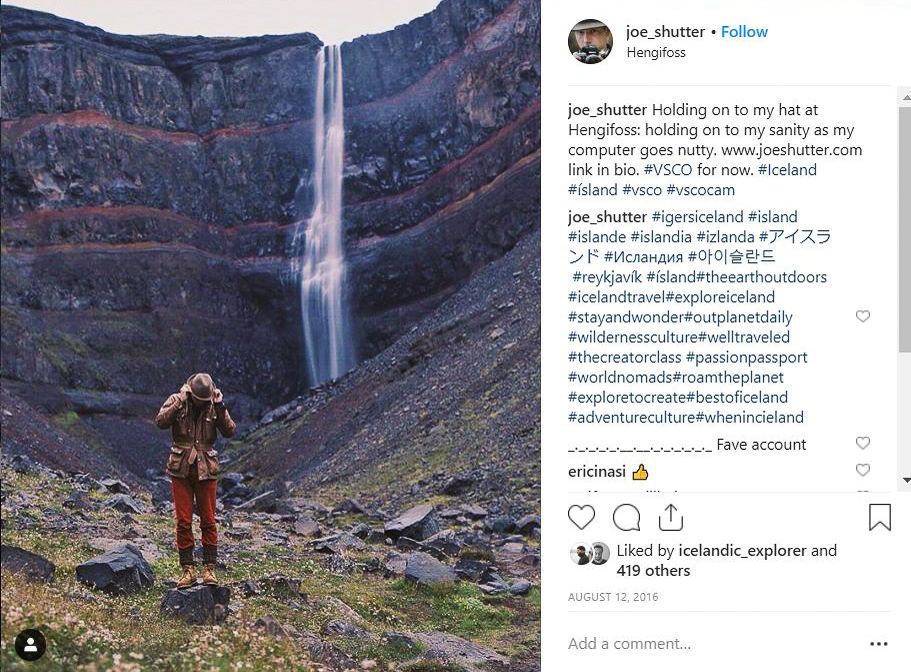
x: 148, y: 196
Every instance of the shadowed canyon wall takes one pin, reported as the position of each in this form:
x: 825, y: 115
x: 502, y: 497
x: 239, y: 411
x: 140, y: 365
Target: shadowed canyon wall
x: 148, y: 198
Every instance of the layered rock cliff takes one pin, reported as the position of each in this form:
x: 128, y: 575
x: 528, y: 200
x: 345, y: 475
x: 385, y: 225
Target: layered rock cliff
x: 149, y: 211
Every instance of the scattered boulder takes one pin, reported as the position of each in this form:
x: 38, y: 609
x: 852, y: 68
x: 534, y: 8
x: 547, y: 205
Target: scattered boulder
x: 419, y: 523
x: 123, y: 503
x: 336, y: 543
x: 240, y: 531
x: 307, y: 505
x: 161, y: 492
x: 198, y: 605
x: 227, y: 482
x: 445, y: 542
x: 492, y: 583
x: 274, y: 537
x: 472, y: 570
x: 267, y: 502
x: 425, y: 570
x: 77, y: 500
x: 520, y: 587
x: 531, y: 559
x: 271, y: 626
x: 238, y: 495
x: 32, y: 566
x: 394, y: 564
x: 339, y: 564
x: 513, y: 548
x: 326, y: 653
x: 526, y: 524
x: 408, y: 544
x: 402, y: 640
x: 474, y: 512
x: 121, y: 571
x: 360, y: 530
x: 279, y: 413
x: 280, y: 585
x: 250, y: 588
x: 307, y: 527
x: 349, y: 505
x: 499, y: 524
x: 441, y: 647
x: 23, y: 464
x: 340, y: 628
x: 115, y: 486
x: 458, y: 485
x: 341, y: 608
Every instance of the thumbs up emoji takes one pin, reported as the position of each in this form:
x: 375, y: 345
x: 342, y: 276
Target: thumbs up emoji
x: 640, y: 474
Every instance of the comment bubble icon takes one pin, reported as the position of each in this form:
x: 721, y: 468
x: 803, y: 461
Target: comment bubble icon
x: 626, y: 518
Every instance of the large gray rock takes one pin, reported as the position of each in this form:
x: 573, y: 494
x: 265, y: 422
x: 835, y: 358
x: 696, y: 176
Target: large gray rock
x: 121, y: 571
x: 197, y: 605
x: 31, y: 565
x: 124, y: 503
x: 419, y: 523
x: 337, y: 543
x: 306, y: 527
x: 339, y: 628
x: 229, y: 481
x: 445, y: 542
x: 279, y: 585
x: 425, y: 570
x: 500, y: 524
x: 441, y: 647
x: 474, y: 511
x: 349, y: 505
x: 23, y: 464
x: 271, y: 626
x: 266, y: 502
x: 458, y: 485
x: 526, y: 524
x: 77, y: 500
x: 472, y: 570
x: 520, y: 587
x: 115, y: 486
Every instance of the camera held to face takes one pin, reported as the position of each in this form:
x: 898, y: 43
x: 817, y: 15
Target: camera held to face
x: 591, y: 54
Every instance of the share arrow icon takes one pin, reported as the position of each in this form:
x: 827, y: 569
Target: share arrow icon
x: 674, y: 522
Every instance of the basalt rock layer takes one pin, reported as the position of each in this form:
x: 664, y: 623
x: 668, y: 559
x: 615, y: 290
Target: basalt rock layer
x: 150, y: 199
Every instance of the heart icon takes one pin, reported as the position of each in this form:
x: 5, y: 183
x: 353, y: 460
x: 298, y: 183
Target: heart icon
x: 863, y: 315
x: 863, y: 469
x: 581, y: 515
x: 862, y: 442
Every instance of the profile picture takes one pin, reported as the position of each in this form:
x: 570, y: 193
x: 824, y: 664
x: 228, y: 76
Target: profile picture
x: 590, y: 41
x: 600, y: 553
x: 580, y: 554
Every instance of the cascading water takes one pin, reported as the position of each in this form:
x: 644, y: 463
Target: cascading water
x: 328, y: 344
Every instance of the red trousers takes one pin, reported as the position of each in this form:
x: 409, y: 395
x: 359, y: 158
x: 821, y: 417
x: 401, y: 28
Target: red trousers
x: 184, y: 490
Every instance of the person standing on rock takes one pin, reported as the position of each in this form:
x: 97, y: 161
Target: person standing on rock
x: 193, y: 414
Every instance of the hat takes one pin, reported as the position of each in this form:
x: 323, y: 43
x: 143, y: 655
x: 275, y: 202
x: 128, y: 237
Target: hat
x: 201, y: 386
x: 588, y: 24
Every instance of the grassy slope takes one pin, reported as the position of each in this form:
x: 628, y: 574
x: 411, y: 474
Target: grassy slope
x: 91, y: 631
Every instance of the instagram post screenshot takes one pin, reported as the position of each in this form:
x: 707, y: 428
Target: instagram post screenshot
x: 455, y: 335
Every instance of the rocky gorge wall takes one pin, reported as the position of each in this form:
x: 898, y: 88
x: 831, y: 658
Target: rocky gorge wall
x: 148, y: 197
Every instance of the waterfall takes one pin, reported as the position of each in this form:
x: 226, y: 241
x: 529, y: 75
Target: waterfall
x: 328, y: 344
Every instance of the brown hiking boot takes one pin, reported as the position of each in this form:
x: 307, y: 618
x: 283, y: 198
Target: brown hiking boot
x: 188, y: 577
x: 208, y: 575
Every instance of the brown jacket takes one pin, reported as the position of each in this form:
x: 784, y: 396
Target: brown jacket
x: 193, y: 441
